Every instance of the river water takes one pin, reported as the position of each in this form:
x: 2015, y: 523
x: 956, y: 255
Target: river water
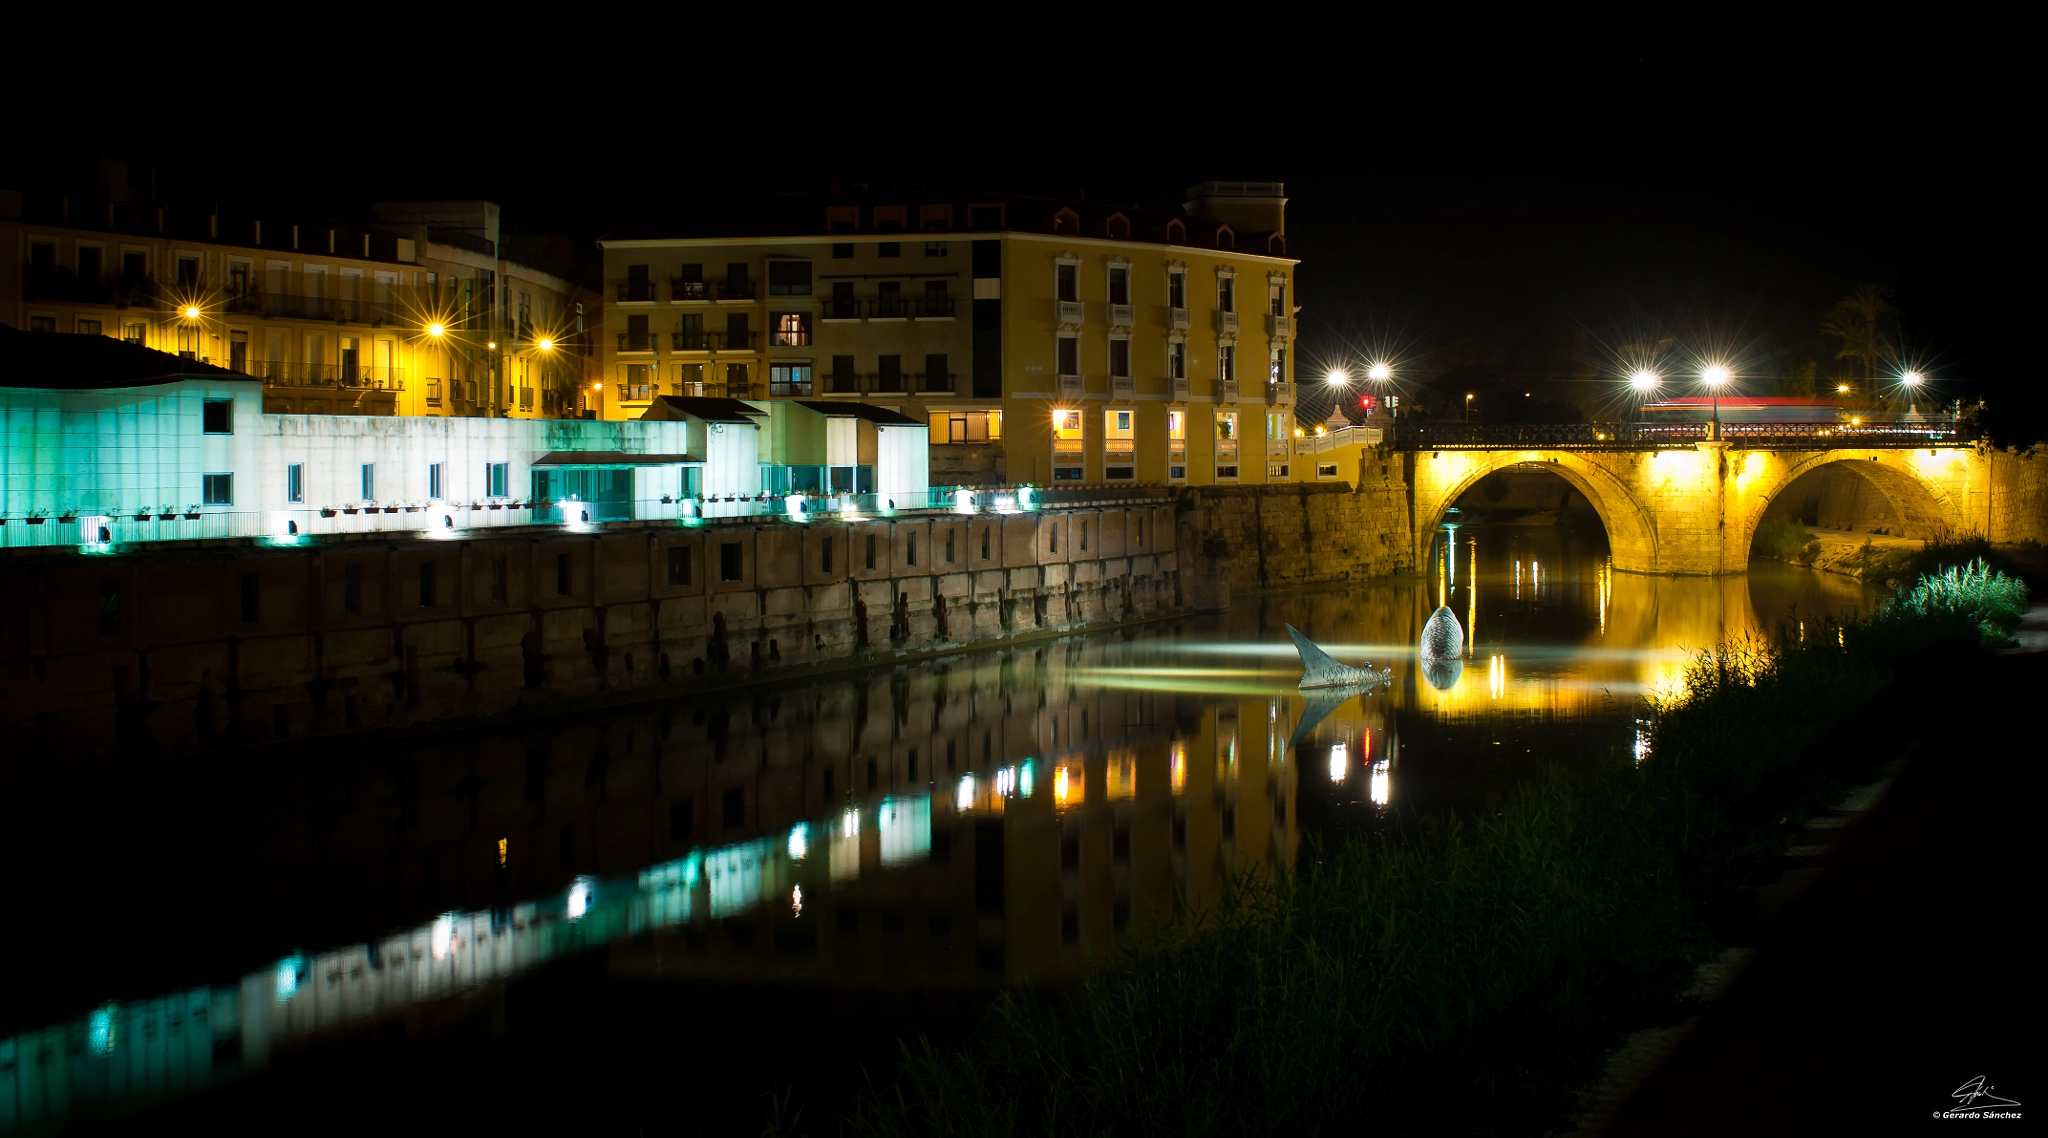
x: 892, y: 842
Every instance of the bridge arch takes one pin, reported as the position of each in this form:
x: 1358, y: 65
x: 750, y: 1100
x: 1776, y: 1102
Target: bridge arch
x: 1925, y: 489
x: 1442, y: 477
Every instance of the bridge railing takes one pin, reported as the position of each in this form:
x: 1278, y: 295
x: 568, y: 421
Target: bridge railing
x: 1411, y: 436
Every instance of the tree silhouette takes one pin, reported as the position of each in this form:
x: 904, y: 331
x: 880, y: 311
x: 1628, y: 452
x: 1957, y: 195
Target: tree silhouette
x: 1858, y: 322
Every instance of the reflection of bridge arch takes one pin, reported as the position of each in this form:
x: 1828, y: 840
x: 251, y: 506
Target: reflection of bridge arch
x: 1631, y: 529
x: 1919, y: 485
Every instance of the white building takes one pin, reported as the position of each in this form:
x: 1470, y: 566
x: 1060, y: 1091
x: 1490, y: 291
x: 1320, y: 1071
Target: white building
x: 123, y: 444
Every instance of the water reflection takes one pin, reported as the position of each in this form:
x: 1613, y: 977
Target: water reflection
x: 940, y: 827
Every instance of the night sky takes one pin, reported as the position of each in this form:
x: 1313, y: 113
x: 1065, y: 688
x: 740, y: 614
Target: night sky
x: 1466, y: 218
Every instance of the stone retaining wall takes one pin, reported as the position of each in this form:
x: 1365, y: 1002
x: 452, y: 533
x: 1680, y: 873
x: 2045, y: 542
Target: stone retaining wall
x: 189, y: 648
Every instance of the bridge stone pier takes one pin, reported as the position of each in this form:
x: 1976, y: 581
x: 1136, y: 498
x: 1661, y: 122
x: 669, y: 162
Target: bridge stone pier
x: 1692, y: 508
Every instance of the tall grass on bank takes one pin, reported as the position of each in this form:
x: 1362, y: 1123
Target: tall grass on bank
x: 1464, y: 976
x: 1994, y: 602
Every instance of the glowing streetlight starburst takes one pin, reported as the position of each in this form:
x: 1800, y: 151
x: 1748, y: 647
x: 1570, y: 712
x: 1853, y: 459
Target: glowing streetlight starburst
x: 437, y: 330
x: 1644, y: 380
x: 1912, y: 379
x: 1337, y: 378
x: 1716, y: 375
x: 1379, y: 373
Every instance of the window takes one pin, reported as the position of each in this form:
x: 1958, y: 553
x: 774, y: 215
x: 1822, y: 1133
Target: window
x: 188, y: 272
x: 217, y: 417
x: 1277, y: 297
x: 1120, y: 358
x: 871, y: 551
x: 1226, y: 363
x: 428, y: 582
x: 842, y: 250
x: 352, y: 589
x: 1276, y: 368
x: 1069, y: 355
x: 789, y: 278
x: 1084, y: 537
x: 497, y: 478
x: 238, y: 352
x: 217, y: 489
x: 949, y: 546
x: 688, y: 283
x: 136, y: 334
x: 1069, y: 281
x: 678, y: 565
x: 789, y: 380
x: 935, y: 248
x: 844, y: 381
x: 910, y: 549
x: 433, y: 480
x: 730, y: 561
x: 295, y: 482
x: 792, y: 329
x: 1176, y: 360
x: 825, y: 556
x: 1176, y: 444
x: 888, y: 248
x: 42, y: 323
x: 1177, y: 288
x: 985, y: 531
x: 562, y: 577
x: 737, y: 383
x: 369, y: 482
x: 889, y: 373
x: 1226, y: 294
x: 88, y: 327
x: 1119, y: 284
x: 936, y: 375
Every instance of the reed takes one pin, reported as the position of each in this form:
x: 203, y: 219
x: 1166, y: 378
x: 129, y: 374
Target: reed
x: 1464, y: 974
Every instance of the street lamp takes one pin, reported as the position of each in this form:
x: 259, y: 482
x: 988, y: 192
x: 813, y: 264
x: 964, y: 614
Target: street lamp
x: 546, y: 345
x: 1468, y: 407
x: 1715, y: 376
x: 1644, y: 381
x: 1337, y: 378
x: 437, y: 330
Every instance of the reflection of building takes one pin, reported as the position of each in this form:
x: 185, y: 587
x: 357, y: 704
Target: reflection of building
x: 1045, y: 341
x: 949, y: 825
x: 412, y: 308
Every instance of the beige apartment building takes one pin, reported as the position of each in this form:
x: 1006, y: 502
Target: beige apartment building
x: 1049, y: 341
x: 412, y: 309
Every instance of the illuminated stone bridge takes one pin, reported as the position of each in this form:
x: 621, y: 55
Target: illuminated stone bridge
x: 1683, y: 498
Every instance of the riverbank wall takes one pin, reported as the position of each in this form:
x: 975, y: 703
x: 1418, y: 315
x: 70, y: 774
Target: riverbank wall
x: 1255, y: 538
x: 207, y: 645
x: 2019, y: 496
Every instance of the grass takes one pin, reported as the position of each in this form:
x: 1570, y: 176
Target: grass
x: 1467, y: 974
x: 1781, y: 539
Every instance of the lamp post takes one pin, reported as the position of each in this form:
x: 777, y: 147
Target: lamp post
x: 1911, y: 382
x: 1468, y: 407
x: 1381, y: 375
x: 1714, y: 377
x: 1644, y: 383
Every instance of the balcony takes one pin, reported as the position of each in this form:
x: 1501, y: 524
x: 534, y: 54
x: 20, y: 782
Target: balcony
x: 1122, y: 388
x: 935, y: 308
x: 1179, y: 319
x: 1226, y: 391
x: 276, y: 374
x: 708, y: 341
x: 789, y: 389
x: 638, y: 341
x: 790, y: 338
x: 1279, y: 394
x: 736, y: 290
x: 680, y: 290
x: 1226, y: 321
x: 1069, y: 387
x: 1123, y: 315
x: 1279, y: 327
x: 1070, y: 313
x: 1181, y: 390
x: 341, y: 310
x: 842, y: 308
x: 889, y: 308
x: 636, y: 292
x: 944, y: 383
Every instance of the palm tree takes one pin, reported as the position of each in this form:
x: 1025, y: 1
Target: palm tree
x: 1855, y: 321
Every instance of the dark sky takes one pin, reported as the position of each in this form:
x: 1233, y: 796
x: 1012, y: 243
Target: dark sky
x: 1454, y: 204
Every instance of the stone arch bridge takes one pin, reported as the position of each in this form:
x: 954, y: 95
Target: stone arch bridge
x: 1686, y: 498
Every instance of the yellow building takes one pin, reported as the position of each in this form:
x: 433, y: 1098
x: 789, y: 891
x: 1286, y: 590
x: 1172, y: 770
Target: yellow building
x: 1047, y: 341
x: 412, y: 309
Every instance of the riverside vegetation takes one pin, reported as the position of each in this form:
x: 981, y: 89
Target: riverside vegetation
x: 1461, y: 974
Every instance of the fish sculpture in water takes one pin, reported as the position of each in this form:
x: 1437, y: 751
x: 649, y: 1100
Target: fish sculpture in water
x: 1443, y: 649
x: 1318, y: 670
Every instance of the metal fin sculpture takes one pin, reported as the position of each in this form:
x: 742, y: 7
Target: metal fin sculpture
x: 1443, y: 649
x: 1326, y: 684
x: 1318, y: 670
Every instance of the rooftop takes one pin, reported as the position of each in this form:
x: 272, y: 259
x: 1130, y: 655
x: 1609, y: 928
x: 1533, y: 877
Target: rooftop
x: 64, y: 361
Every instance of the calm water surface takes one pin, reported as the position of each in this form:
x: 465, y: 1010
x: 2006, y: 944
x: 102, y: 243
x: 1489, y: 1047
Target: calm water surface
x: 899, y: 839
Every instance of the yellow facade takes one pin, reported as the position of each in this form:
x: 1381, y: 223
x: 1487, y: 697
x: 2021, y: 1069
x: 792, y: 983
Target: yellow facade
x: 413, y: 313
x: 1047, y: 342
